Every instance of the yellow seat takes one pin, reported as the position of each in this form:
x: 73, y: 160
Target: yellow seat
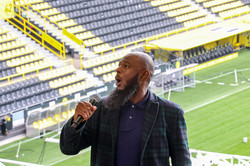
x: 9, y: 55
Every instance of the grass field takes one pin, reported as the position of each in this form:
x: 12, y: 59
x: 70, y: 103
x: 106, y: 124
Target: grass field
x: 217, y: 116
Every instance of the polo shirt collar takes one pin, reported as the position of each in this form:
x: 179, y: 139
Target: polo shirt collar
x: 141, y: 105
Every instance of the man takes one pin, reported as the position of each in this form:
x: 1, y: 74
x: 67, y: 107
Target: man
x: 132, y: 126
x: 3, y: 127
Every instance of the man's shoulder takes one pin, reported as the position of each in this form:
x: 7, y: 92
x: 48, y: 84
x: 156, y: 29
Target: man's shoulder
x: 165, y: 104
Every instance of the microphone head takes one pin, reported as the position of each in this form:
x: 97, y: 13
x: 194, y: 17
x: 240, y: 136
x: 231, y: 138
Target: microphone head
x: 95, y: 98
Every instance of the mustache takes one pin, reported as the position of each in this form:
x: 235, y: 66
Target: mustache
x: 118, y: 98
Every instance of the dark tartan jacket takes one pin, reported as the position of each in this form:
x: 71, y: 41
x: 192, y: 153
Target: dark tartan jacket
x: 164, y: 135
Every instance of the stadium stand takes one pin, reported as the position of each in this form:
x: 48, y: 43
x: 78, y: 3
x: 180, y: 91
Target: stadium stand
x: 117, y: 23
x: 200, y: 54
x: 102, y: 32
x: 21, y: 56
x: 226, y: 8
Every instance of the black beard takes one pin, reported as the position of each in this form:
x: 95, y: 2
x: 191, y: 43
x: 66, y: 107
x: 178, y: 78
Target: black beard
x: 118, y: 98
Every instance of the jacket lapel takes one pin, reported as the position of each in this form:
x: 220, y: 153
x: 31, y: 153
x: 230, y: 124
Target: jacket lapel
x: 150, y: 116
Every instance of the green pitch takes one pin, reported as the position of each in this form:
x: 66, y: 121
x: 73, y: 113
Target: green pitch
x: 217, y: 116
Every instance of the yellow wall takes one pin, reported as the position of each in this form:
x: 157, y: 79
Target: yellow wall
x: 244, y: 40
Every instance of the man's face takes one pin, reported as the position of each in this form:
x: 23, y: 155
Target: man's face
x: 127, y: 82
x: 127, y: 70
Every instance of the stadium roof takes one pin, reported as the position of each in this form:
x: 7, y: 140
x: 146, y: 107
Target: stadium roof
x: 204, y: 35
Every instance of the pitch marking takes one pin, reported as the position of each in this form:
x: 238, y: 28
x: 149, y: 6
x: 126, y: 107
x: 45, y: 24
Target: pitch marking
x: 222, y: 97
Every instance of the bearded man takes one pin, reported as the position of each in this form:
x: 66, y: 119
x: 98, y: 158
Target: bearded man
x: 131, y: 126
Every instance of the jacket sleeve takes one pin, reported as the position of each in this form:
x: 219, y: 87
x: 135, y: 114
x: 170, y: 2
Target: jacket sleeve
x: 179, y: 149
x: 74, y: 140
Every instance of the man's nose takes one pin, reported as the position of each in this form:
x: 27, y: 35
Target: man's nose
x: 118, y: 69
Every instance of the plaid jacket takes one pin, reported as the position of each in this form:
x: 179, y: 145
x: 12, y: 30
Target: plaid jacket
x: 164, y: 135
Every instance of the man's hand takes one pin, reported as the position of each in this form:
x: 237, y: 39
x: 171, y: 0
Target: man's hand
x: 85, y: 109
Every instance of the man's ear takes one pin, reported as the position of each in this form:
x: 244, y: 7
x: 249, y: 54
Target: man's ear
x: 145, y: 74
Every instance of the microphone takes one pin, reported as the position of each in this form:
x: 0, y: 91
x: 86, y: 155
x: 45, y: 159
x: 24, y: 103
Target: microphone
x: 94, y: 99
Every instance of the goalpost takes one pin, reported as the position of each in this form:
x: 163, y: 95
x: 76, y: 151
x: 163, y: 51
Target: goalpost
x: 172, y: 80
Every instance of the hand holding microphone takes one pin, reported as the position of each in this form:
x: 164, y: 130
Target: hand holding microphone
x: 84, y: 110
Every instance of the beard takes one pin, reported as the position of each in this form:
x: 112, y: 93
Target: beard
x: 118, y: 98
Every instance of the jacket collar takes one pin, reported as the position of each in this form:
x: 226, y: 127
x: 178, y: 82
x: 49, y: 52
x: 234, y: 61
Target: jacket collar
x: 150, y: 116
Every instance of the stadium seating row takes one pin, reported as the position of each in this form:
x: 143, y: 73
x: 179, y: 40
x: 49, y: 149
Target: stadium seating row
x: 227, y: 6
x: 177, y: 12
x: 90, y: 82
x: 103, y: 59
x: 24, y: 93
x: 56, y: 73
x: 199, y: 21
x: 11, y: 45
x: 173, y: 6
x: 50, y: 12
x: 109, y: 77
x: 215, y: 3
x: 62, y: 81
x: 17, y: 52
x: 27, y: 102
x: 201, y: 55
x: 34, y: 66
x: 40, y: 6
x: 234, y: 12
x: 25, y: 59
x: 161, y: 2
x: 24, y: 2
x: 105, y: 68
x: 76, y: 29
x: 7, y: 37
x: 189, y: 16
x: 19, y: 85
x: 3, y: 30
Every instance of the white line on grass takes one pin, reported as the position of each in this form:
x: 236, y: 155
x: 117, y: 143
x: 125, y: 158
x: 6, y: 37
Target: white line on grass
x: 208, y: 82
x: 234, y: 84
x: 221, y: 83
x: 66, y: 158
x: 222, y: 97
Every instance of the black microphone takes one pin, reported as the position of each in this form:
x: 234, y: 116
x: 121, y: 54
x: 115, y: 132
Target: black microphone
x: 94, y: 99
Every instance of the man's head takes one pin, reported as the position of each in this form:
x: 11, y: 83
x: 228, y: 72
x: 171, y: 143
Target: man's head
x: 135, y: 63
x: 133, y: 76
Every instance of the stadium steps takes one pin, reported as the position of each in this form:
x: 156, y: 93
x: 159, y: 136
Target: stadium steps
x: 212, y: 15
x: 16, y: 133
x: 31, y: 42
x: 55, y: 32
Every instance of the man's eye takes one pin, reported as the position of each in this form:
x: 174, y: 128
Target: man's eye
x: 126, y: 66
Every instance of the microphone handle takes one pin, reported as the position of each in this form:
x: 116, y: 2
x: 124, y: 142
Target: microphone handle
x: 79, y: 118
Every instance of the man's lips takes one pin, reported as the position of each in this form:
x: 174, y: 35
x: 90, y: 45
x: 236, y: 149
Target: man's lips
x: 118, y: 80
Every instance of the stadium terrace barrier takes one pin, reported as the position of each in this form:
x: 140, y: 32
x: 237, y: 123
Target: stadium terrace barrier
x: 63, y: 30
x: 36, y: 33
x: 211, y: 158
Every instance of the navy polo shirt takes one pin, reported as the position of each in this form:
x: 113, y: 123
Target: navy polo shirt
x: 129, y: 136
